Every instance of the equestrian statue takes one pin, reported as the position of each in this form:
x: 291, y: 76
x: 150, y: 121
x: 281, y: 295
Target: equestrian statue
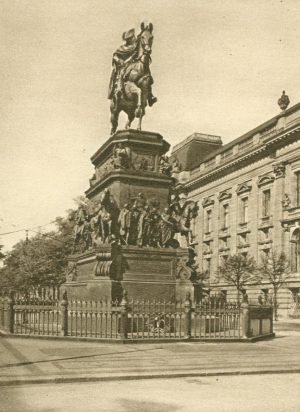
x: 130, y: 87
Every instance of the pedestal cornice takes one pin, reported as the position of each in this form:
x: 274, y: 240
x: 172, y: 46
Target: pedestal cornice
x: 144, y: 178
x: 142, y: 139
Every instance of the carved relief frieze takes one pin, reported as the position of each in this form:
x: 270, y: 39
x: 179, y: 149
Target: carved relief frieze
x: 279, y: 170
x: 71, y: 272
x: 183, y: 271
x: 286, y: 202
x: 143, y: 161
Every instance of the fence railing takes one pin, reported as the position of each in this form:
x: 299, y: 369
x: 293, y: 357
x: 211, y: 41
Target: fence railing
x: 134, y: 320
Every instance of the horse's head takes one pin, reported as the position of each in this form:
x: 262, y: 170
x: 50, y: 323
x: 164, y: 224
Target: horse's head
x: 146, y: 38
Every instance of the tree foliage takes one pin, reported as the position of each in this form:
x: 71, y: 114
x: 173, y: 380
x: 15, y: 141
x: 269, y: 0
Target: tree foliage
x: 41, y: 260
x: 238, y: 270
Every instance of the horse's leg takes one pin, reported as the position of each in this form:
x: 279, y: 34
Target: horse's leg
x: 144, y: 97
x: 144, y: 92
x: 139, y: 110
x: 130, y: 119
x: 140, y: 122
x: 132, y: 89
x: 114, y: 116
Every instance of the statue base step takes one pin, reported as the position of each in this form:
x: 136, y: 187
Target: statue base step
x: 145, y: 273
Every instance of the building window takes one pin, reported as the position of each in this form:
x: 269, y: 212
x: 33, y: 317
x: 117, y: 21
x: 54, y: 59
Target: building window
x: 264, y: 254
x: 224, y: 243
x: 266, y: 201
x: 295, y: 251
x: 206, y: 247
x: 225, y: 216
x: 298, y: 188
x: 208, y: 221
x: 244, y: 210
x: 207, y: 266
x: 243, y: 239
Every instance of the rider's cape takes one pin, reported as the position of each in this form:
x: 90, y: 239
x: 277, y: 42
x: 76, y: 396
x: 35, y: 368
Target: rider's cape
x: 123, y: 52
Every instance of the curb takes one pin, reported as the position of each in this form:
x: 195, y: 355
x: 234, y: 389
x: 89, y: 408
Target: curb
x: 62, y: 380
x: 4, y: 334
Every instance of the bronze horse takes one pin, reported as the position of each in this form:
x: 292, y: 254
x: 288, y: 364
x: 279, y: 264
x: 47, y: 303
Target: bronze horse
x: 137, y: 83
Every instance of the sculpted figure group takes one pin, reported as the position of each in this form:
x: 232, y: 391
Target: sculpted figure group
x: 139, y: 223
x: 167, y: 168
x: 94, y: 226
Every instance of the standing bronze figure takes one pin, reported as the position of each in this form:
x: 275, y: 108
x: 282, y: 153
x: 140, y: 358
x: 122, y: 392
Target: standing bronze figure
x: 130, y: 87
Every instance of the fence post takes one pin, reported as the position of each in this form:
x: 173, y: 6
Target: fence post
x: 245, y: 320
x: 188, y: 315
x: 9, y: 313
x: 64, y: 314
x: 124, y: 316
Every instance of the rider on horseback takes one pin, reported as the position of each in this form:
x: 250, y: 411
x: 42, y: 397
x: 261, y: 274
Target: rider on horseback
x: 122, y: 58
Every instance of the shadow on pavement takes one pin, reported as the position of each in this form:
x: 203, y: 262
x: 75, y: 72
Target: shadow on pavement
x: 146, y: 406
x: 26, y: 362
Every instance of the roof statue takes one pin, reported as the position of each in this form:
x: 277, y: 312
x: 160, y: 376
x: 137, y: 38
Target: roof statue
x: 284, y: 101
x: 130, y: 87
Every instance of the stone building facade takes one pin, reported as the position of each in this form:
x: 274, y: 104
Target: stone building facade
x: 248, y: 192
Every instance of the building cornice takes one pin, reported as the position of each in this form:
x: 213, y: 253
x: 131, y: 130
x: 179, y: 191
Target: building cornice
x: 244, y: 159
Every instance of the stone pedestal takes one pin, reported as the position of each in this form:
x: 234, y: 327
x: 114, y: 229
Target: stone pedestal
x: 128, y: 165
x: 140, y: 174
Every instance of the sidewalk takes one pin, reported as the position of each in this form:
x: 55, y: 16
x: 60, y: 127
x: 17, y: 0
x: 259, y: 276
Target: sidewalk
x: 287, y: 324
x: 39, y: 361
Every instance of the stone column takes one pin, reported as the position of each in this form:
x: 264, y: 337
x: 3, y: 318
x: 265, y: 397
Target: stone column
x: 277, y: 198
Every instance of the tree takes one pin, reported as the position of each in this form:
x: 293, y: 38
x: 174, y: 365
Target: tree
x: 238, y: 270
x: 2, y: 256
x: 275, y: 269
x: 41, y: 260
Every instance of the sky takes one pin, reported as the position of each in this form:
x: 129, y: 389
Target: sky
x: 219, y: 67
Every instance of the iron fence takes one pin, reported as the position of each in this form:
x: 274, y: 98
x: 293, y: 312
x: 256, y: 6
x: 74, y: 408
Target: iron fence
x: 155, y: 320
x: 39, y: 318
x: 133, y: 320
x: 98, y: 319
x: 216, y: 320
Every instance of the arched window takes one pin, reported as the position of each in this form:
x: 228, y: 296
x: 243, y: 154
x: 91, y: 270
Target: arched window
x: 295, y: 251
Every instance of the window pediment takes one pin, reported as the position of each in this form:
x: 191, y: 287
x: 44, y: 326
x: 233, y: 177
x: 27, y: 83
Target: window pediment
x: 264, y: 180
x: 243, y: 188
x: 208, y: 201
x: 224, y: 195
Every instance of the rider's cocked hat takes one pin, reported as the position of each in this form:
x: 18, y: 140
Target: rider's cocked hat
x: 128, y: 34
